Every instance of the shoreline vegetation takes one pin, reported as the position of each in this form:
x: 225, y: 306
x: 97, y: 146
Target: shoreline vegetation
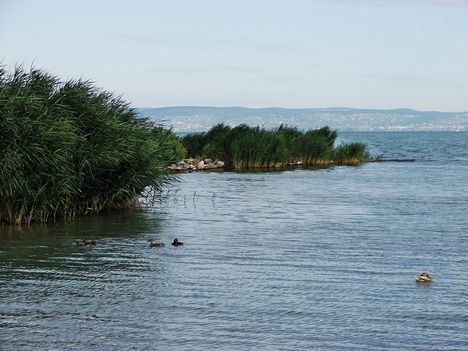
x: 244, y: 147
x: 69, y: 149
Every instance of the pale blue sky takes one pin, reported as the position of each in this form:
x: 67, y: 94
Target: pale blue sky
x: 257, y: 53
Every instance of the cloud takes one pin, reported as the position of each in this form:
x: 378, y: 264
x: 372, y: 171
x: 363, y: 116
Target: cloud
x: 200, y: 70
x: 403, y: 79
x: 402, y: 2
x: 203, y: 43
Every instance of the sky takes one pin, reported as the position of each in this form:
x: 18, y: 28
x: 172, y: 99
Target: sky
x: 254, y: 53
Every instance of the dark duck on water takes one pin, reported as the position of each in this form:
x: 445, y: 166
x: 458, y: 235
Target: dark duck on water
x: 85, y: 244
x: 153, y: 244
x: 176, y: 242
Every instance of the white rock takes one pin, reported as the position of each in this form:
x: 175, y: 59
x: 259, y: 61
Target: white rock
x: 201, y: 165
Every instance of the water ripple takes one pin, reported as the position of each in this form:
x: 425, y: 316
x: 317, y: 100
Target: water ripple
x: 306, y: 259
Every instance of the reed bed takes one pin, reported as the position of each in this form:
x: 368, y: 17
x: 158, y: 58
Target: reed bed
x: 70, y: 149
x: 351, y: 153
x: 244, y: 147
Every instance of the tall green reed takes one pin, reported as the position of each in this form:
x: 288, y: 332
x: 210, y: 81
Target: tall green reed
x: 69, y: 149
x: 254, y: 147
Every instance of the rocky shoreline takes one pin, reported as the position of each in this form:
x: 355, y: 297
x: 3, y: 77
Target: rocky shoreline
x: 192, y: 165
x: 204, y: 164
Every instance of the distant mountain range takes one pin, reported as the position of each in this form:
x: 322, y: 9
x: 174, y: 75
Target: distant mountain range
x: 193, y: 118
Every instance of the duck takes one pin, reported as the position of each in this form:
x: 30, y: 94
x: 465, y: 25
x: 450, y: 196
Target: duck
x: 176, y: 242
x: 153, y: 244
x: 85, y: 244
x: 424, y: 277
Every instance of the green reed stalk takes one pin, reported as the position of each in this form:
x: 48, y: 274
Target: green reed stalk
x: 70, y: 149
x: 254, y: 147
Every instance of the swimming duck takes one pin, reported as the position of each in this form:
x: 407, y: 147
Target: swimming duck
x: 153, y: 244
x: 176, y: 242
x: 424, y: 277
x: 85, y: 244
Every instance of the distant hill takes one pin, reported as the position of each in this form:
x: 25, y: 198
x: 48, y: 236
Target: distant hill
x: 194, y: 118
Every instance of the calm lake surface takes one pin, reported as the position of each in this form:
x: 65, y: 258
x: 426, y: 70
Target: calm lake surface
x: 304, y: 259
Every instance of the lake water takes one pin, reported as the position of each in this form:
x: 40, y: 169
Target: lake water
x: 305, y: 259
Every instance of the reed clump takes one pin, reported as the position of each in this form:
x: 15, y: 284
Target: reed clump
x: 70, y: 149
x: 244, y: 147
x: 351, y: 153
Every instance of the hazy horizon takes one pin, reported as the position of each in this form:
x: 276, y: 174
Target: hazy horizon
x: 295, y: 108
x: 197, y: 118
x: 385, y: 54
